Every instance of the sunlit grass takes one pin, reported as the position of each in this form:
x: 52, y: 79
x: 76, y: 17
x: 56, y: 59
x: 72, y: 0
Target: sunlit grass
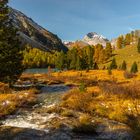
x: 9, y: 103
x: 114, y: 96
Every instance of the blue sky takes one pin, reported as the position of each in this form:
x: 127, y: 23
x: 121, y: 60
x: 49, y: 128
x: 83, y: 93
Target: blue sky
x: 72, y: 19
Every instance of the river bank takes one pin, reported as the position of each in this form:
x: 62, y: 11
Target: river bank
x: 41, y: 123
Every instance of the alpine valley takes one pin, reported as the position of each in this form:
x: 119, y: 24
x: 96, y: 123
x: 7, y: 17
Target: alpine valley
x: 52, y: 89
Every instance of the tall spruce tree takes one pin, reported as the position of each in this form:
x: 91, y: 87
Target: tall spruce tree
x: 124, y: 65
x: 127, y: 39
x: 60, y: 60
x: 73, y: 58
x: 102, y: 56
x: 90, y: 52
x: 84, y: 59
x: 134, y: 68
x: 78, y: 63
x: 120, y: 42
x: 10, y: 49
x: 108, y: 50
x: 113, y: 64
x: 98, y: 49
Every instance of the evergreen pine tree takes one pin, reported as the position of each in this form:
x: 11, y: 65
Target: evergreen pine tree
x: 113, y: 64
x: 120, y: 42
x: 138, y: 45
x: 10, y: 49
x: 73, y: 59
x: 68, y: 59
x: 102, y: 56
x: 108, y: 50
x: 127, y: 39
x: 134, y: 68
x: 90, y: 52
x: 78, y: 63
x: 124, y: 66
x: 84, y: 60
x: 96, y: 54
x: 98, y: 50
x: 60, y: 62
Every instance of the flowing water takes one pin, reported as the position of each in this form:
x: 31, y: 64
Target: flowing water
x: 37, y: 122
x: 29, y: 118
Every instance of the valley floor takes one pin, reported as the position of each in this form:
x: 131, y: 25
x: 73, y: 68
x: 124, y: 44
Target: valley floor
x: 89, y: 105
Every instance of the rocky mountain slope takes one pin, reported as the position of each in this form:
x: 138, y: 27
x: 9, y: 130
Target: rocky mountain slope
x: 94, y: 39
x: 91, y: 38
x: 35, y: 35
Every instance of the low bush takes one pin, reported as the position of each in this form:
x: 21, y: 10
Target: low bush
x: 76, y: 100
x: 130, y: 91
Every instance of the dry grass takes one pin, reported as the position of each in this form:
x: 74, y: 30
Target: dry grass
x: 115, y: 96
x: 90, y: 78
x: 129, y: 54
x: 94, y: 76
x: 113, y: 101
x: 9, y: 103
x: 106, y: 94
x: 76, y: 100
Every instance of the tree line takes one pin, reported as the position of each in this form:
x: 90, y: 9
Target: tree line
x: 128, y: 39
x: 76, y: 58
x: 86, y: 58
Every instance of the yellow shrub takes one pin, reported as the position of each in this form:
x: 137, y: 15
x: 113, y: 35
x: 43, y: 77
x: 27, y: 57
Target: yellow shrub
x: 77, y: 100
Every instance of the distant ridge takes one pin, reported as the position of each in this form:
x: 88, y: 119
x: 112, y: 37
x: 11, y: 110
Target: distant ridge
x: 35, y: 35
x: 91, y: 38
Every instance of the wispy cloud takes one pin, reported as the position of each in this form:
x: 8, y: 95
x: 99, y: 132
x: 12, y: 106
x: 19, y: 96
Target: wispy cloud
x: 131, y: 29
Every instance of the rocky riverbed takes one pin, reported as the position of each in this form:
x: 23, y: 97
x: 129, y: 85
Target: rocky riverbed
x: 37, y: 124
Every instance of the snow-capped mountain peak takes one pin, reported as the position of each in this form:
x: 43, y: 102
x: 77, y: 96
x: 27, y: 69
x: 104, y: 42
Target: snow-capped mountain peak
x: 93, y: 38
x: 93, y: 35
